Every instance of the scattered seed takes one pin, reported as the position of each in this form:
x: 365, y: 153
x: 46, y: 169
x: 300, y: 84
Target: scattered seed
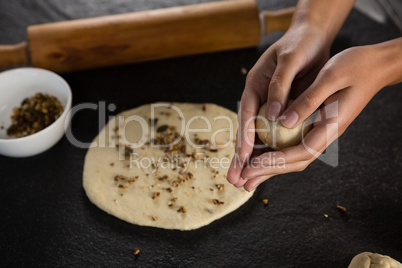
x: 220, y: 187
x: 162, y: 178
x: 162, y: 128
x: 342, y: 209
x: 217, y: 202
x: 182, y: 209
x: 136, y: 251
x: 153, y: 121
x: 127, y: 152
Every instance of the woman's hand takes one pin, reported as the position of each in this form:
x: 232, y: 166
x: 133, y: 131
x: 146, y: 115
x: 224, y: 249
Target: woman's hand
x: 343, y: 87
x: 291, y: 63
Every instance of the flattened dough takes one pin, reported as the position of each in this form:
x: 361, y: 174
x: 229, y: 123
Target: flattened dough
x: 171, y: 174
x: 373, y: 260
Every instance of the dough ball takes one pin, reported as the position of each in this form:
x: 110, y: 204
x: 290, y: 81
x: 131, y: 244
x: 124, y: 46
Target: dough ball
x: 277, y: 136
x: 373, y: 260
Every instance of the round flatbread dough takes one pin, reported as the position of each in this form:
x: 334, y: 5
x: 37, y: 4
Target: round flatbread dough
x: 373, y: 260
x: 165, y: 165
x: 277, y: 136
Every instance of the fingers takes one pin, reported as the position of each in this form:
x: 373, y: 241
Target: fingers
x: 240, y: 183
x: 303, y: 81
x: 295, y: 158
x: 338, y: 112
x: 252, y: 184
x: 250, y: 104
x: 270, y: 165
x: 254, y: 94
x: 326, y: 84
x: 244, y: 144
x: 288, y: 66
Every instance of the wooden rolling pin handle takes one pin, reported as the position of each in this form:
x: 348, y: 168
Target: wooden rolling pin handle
x: 277, y: 20
x: 13, y: 55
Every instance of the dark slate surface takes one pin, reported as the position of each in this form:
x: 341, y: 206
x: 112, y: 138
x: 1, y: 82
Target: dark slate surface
x: 46, y: 219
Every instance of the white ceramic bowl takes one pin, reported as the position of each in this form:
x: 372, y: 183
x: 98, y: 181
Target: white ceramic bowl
x: 21, y: 83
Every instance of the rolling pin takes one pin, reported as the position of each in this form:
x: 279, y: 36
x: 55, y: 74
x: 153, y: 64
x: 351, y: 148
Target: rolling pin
x: 143, y: 36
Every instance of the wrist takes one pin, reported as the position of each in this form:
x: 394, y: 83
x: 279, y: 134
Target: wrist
x: 389, y: 57
x: 324, y: 17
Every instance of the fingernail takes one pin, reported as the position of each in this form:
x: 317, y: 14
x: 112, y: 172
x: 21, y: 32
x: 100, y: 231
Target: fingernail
x: 274, y: 110
x: 290, y: 118
x: 252, y: 188
x: 239, y: 183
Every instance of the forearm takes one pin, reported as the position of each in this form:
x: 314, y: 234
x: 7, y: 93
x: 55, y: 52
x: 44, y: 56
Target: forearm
x: 325, y: 16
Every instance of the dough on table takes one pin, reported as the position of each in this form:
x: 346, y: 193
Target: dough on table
x: 165, y: 165
x: 373, y: 260
x: 275, y: 135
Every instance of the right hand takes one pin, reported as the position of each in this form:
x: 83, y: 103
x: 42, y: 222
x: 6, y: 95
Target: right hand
x: 286, y: 69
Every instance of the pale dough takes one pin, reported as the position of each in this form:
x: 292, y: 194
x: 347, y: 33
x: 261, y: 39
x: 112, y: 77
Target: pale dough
x: 373, y: 260
x: 277, y: 136
x: 178, y: 186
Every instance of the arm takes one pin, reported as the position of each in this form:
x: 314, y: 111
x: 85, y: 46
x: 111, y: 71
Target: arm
x: 297, y: 65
